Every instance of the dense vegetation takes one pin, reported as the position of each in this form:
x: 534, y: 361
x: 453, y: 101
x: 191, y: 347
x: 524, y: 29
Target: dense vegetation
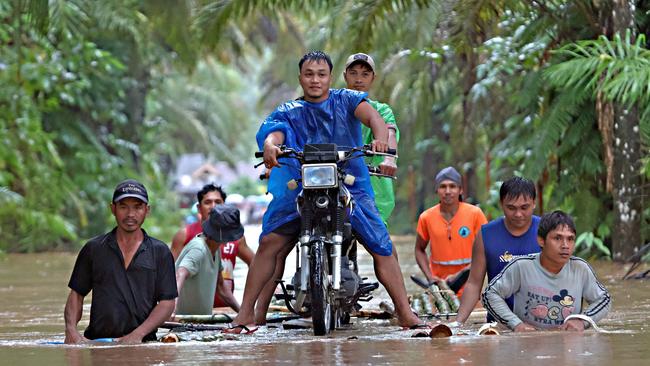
x: 95, y: 91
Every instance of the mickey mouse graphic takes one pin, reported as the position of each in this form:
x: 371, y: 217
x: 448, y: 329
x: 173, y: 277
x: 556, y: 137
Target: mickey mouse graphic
x: 566, y: 301
x: 551, y: 311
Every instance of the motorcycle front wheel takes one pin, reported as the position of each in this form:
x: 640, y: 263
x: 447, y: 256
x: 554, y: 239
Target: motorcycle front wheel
x: 321, y: 308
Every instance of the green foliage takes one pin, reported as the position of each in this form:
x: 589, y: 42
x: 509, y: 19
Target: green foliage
x: 77, y: 115
x: 210, y: 110
x: 590, y: 246
x: 35, y: 82
x: 618, y: 68
x: 67, y: 132
x: 93, y: 92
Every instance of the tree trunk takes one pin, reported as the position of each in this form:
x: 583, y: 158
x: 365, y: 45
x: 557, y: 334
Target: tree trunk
x: 605, y: 113
x: 626, y: 238
x: 626, y: 148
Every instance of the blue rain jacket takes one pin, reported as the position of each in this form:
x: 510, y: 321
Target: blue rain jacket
x: 331, y: 121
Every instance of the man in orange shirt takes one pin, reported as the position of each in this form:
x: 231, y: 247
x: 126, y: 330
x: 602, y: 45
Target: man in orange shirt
x: 450, y: 227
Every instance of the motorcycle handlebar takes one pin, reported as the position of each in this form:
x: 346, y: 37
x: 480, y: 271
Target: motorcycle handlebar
x: 373, y: 170
x: 284, y: 151
x: 366, y: 151
x: 389, y: 152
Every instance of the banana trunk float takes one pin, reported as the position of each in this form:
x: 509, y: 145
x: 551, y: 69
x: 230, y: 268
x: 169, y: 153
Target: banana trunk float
x: 449, y: 295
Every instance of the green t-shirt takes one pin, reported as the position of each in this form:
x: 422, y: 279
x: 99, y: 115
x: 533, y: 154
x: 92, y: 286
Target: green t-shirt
x: 383, y: 187
x: 197, y: 295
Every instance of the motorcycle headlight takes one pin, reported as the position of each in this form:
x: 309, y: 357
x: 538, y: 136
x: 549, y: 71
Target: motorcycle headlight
x: 319, y: 176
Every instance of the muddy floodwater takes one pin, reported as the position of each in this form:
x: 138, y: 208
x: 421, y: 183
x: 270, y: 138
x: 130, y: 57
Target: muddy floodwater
x: 33, y: 292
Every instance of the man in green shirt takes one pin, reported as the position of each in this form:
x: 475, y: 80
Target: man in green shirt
x: 359, y: 75
x: 198, y: 267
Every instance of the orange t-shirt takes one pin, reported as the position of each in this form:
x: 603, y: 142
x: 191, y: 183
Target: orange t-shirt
x: 450, y: 241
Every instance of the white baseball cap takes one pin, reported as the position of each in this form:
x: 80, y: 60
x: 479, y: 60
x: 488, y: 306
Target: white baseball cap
x: 360, y: 57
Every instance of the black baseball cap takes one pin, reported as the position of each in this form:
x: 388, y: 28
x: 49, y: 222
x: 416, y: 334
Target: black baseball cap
x: 223, y: 224
x: 130, y: 188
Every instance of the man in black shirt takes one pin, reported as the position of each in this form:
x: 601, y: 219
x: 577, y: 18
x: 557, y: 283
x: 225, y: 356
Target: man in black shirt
x: 130, y: 273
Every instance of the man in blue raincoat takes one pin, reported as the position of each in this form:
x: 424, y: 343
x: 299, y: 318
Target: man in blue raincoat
x: 322, y: 115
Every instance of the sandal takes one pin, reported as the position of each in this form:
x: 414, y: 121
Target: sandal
x: 240, y: 329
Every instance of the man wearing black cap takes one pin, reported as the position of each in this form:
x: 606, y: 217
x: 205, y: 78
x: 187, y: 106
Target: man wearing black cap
x: 130, y: 273
x: 198, y: 267
x: 450, y: 227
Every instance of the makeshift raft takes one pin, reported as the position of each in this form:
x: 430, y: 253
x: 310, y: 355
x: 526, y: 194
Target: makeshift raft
x: 437, y: 302
x: 223, y: 318
x: 434, y: 302
x: 272, y: 317
x: 197, y: 336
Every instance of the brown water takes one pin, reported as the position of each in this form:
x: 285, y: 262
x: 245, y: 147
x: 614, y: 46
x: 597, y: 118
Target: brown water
x: 33, y: 292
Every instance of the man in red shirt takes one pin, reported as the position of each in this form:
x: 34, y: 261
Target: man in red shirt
x: 208, y: 197
x: 450, y: 228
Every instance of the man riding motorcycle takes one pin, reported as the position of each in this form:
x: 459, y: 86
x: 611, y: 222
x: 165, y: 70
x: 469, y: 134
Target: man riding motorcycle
x: 321, y: 116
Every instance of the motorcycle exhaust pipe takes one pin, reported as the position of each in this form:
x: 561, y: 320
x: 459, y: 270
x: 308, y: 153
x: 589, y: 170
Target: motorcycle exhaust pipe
x: 337, y: 238
x: 336, y: 261
x: 304, y: 262
x: 298, y: 251
x: 305, y: 238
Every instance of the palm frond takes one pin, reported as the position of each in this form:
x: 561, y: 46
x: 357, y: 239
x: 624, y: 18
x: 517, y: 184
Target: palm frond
x: 617, y: 68
x: 171, y: 21
x: 7, y: 195
x: 551, y: 126
x: 212, y: 17
x: 116, y: 17
x: 366, y: 19
x: 69, y: 17
x: 38, y: 15
x: 580, y: 146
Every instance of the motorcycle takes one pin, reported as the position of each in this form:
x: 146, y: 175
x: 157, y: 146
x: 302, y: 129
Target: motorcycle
x: 326, y: 285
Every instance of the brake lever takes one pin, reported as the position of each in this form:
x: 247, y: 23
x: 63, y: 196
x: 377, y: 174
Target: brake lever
x: 367, y: 150
x: 384, y: 154
x: 374, y: 171
x: 260, y: 163
x: 383, y: 175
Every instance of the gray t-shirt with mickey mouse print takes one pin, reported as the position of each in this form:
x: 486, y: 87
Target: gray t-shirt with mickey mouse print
x: 544, y: 299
